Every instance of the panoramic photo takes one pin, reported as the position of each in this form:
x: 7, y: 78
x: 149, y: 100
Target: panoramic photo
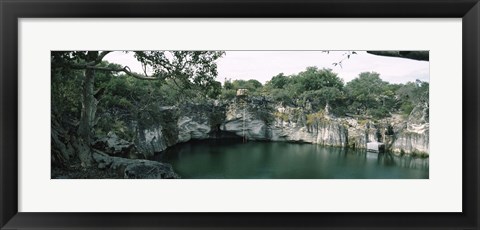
x: 349, y: 114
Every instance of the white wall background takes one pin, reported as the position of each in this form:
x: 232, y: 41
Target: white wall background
x: 442, y: 192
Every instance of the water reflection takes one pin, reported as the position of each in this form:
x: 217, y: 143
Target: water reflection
x: 276, y: 160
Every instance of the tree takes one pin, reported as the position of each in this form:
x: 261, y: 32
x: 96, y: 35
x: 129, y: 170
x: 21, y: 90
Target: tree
x: 367, y: 93
x: 230, y: 88
x: 214, y: 89
x: 314, y: 79
x: 320, y: 87
x: 412, y: 94
x: 184, y: 68
x: 251, y: 85
x: 278, y: 81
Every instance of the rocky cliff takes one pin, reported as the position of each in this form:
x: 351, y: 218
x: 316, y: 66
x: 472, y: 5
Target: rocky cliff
x: 412, y: 134
x: 260, y: 119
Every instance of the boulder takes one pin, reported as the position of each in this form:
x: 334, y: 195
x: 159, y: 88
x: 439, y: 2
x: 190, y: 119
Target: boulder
x: 135, y: 168
x: 115, y: 146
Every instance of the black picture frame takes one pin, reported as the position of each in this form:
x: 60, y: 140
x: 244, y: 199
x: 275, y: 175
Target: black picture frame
x: 12, y: 10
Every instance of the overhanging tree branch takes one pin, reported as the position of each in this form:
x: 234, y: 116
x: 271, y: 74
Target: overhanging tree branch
x: 415, y: 55
x: 127, y: 71
x: 93, y: 66
x: 95, y: 62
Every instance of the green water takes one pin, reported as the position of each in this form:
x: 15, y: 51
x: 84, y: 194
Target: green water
x: 279, y: 160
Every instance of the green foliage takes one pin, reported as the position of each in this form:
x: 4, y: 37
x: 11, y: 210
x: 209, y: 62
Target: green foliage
x: 66, y: 95
x: 411, y: 94
x: 214, y: 89
x: 186, y: 68
x: 123, y: 96
x: 129, y: 99
x: 379, y: 113
x: 315, y: 79
x: 369, y: 95
x: 228, y: 85
x: 278, y: 82
x: 229, y: 90
x: 362, y: 122
x: 326, y: 95
x: 281, y: 95
x: 315, y: 86
x: 315, y: 118
x: 251, y: 85
x: 281, y: 116
x: 298, y: 115
x: 406, y: 108
x: 228, y: 94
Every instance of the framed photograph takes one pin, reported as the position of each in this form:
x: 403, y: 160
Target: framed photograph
x: 224, y: 114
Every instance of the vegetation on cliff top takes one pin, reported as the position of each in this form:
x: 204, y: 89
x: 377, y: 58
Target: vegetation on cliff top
x: 367, y: 95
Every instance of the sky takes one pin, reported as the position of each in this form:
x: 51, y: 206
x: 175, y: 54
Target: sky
x: 263, y: 65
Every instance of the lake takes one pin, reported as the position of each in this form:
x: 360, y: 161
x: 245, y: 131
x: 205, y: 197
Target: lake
x: 232, y: 159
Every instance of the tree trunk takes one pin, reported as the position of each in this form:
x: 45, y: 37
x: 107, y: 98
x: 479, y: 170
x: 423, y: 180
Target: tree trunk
x: 87, y: 118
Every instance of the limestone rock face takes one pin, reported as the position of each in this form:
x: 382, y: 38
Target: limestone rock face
x: 249, y: 117
x: 252, y: 128
x: 256, y: 118
x: 291, y: 125
x: 257, y: 121
x: 159, y: 134
x: 151, y: 140
x: 359, y: 135
x: 115, y: 146
x: 413, y: 135
x: 192, y: 121
x: 189, y: 129
x: 410, y: 142
x: 329, y: 133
